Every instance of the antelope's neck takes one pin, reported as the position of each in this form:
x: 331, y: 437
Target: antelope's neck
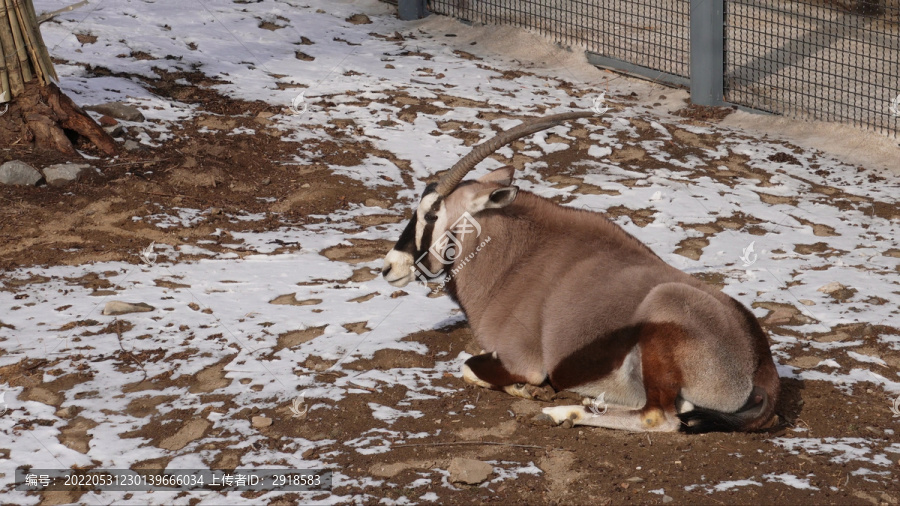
x: 489, y: 258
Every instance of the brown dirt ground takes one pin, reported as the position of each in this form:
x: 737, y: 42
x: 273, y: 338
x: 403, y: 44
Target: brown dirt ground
x: 229, y: 174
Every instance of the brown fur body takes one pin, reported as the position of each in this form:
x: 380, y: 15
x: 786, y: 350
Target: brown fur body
x: 566, y: 296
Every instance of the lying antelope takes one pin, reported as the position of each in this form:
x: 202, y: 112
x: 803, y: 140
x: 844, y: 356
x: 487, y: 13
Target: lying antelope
x: 565, y: 297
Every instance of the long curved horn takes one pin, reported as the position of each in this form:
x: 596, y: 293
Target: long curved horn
x: 459, y: 170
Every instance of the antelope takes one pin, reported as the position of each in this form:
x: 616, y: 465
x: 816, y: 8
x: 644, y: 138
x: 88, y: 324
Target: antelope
x: 565, y: 298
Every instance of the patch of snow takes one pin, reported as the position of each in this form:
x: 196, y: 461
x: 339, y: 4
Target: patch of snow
x: 847, y: 449
x: 866, y: 358
x: 391, y: 415
x: 790, y: 480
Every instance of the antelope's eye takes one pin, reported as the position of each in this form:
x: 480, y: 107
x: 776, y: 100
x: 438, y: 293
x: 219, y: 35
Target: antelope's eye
x: 430, y: 217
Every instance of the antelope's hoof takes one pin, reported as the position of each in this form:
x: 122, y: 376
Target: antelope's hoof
x: 527, y: 391
x: 567, y: 416
x: 518, y: 390
x: 542, y: 393
x: 652, y: 418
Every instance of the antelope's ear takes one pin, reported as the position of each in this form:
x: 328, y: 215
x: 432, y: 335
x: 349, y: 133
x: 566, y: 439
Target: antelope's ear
x: 502, y: 176
x: 493, y: 199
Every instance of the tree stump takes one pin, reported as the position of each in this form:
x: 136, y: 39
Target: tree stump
x: 33, y: 110
x: 44, y: 117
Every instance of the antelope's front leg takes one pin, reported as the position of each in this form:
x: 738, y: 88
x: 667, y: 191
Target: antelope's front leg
x: 488, y: 371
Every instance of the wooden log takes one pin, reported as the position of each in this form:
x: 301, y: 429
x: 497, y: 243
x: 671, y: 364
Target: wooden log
x: 47, y: 16
x: 25, y: 43
x: 15, y: 21
x: 46, y: 63
x: 5, y: 92
x: 8, y: 52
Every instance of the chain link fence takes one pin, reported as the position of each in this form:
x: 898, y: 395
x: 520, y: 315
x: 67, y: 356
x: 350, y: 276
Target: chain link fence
x: 831, y: 60
x: 653, y: 34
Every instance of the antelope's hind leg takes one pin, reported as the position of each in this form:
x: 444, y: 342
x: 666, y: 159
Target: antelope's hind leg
x: 655, y: 420
x: 661, y: 381
x: 487, y: 371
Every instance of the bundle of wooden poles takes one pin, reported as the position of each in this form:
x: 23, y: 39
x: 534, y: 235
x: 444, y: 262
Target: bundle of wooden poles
x: 24, y: 55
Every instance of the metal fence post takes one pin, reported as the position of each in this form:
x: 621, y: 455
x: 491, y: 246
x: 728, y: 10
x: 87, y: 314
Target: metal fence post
x: 707, y: 52
x: 410, y: 10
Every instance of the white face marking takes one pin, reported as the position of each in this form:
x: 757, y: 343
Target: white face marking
x: 424, y: 207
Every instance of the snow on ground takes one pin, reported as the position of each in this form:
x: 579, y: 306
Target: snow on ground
x: 217, y: 314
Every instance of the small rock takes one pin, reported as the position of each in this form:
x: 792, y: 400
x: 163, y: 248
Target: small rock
x: 666, y: 499
x: 807, y: 302
x: 64, y: 173
x: 131, y: 145
x: 117, y: 307
x: 635, y: 479
x: 67, y: 412
x: 802, y: 319
x: 118, y: 110
x: 20, y: 173
x: 830, y: 288
x: 304, y: 185
x: 107, y: 121
x: 115, y: 131
x: 260, y: 422
x: 359, y: 19
x: 837, y: 291
x: 469, y: 471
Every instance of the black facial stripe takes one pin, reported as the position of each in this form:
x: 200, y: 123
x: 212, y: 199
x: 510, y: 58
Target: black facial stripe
x: 425, y: 264
x: 426, y: 238
x: 407, y: 241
